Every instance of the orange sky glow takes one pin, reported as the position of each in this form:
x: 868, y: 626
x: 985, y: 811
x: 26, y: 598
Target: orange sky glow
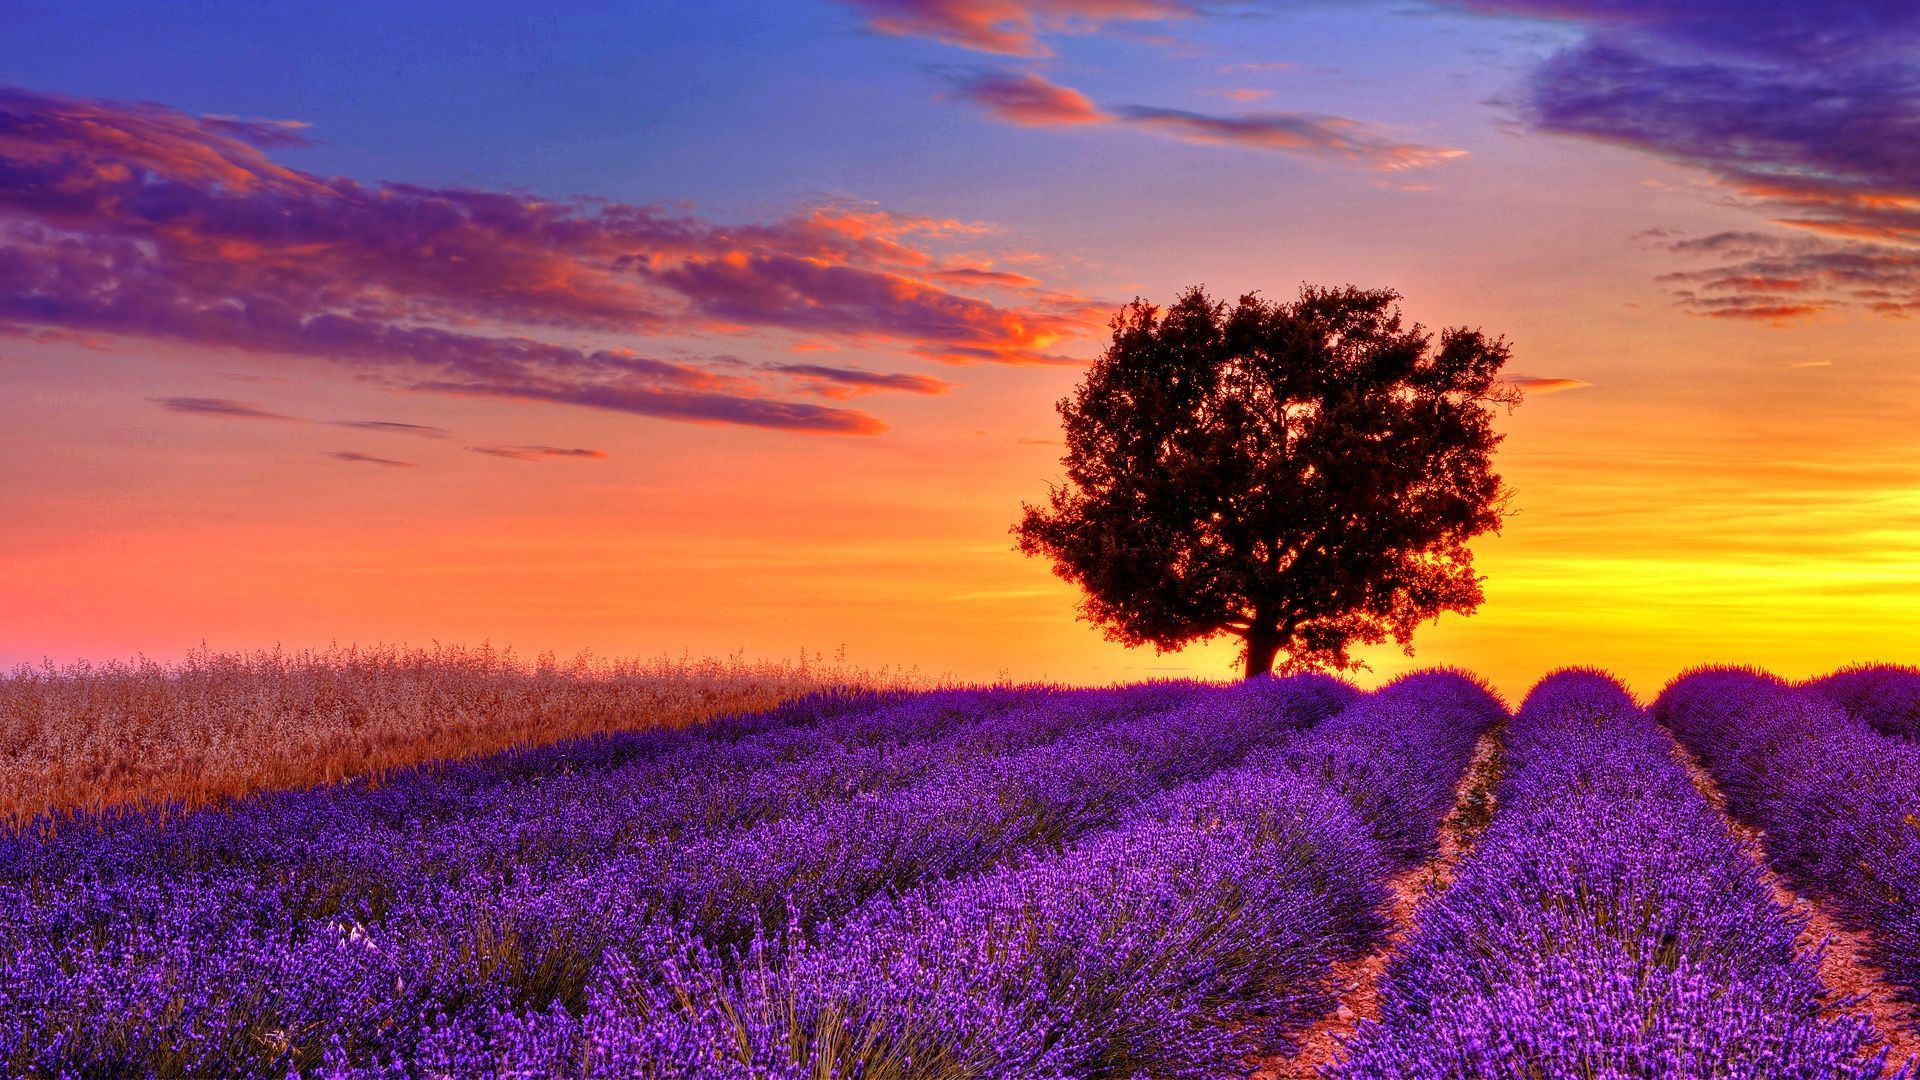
x: 767, y: 410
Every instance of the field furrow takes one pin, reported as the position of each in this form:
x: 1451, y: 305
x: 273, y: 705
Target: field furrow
x: 1356, y: 981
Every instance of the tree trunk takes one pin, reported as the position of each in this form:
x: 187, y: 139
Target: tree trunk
x: 1262, y: 646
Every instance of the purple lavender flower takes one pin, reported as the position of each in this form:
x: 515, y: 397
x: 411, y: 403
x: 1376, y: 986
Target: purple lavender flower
x: 1605, y: 925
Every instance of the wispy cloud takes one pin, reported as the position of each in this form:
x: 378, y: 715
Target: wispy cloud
x: 842, y: 383
x: 666, y: 402
x: 221, y: 408
x: 1009, y: 27
x: 228, y: 409
x: 1544, y: 384
x: 357, y: 458
x: 1779, y: 277
x: 394, y: 427
x: 1298, y: 133
x: 538, y: 453
x: 1030, y: 100
x: 466, y: 291
x: 1242, y: 94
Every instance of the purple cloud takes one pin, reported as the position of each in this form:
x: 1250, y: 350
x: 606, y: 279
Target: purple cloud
x: 1297, y: 133
x: 1030, y: 100
x: 221, y: 408
x: 1810, y: 113
x: 537, y: 453
x: 136, y: 219
x: 839, y: 382
x: 1026, y: 99
x: 358, y: 458
x: 698, y: 407
x: 1008, y: 27
x: 1775, y: 277
x: 394, y: 427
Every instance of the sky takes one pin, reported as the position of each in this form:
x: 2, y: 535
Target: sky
x: 737, y: 327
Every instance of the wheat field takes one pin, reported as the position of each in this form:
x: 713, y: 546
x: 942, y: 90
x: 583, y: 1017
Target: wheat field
x: 92, y: 736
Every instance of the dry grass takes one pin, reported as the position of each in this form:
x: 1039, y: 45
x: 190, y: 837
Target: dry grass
x: 93, y: 736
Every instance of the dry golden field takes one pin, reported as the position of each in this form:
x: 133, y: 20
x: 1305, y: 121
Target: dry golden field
x: 91, y: 736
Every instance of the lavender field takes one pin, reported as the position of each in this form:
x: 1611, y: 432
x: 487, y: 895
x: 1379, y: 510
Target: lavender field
x: 1282, y: 878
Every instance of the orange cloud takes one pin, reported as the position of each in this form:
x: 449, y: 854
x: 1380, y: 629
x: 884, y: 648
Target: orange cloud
x: 1029, y: 100
x: 456, y: 290
x: 1300, y: 133
x: 1008, y: 27
x: 1543, y: 384
x: 842, y: 383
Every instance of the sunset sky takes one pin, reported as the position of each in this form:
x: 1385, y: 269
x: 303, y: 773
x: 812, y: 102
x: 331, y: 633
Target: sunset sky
x: 731, y: 325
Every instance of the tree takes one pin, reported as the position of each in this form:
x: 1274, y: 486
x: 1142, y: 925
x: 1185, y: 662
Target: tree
x: 1303, y: 475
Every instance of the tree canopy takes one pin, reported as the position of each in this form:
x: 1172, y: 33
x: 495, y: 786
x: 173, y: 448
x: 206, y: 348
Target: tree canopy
x: 1304, y: 475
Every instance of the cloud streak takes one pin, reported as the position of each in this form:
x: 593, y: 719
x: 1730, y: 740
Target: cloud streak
x: 228, y: 409
x: 1029, y: 100
x: 139, y: 220
x: 1781, y: 277
x: 842, y: 383
x: 1009, y: 27
x: 394, y: 427
x: 538, y: 453
x: 354, y: 457
x: 221, y: 409
x: 1295, y: 133
x: 1544, y: 384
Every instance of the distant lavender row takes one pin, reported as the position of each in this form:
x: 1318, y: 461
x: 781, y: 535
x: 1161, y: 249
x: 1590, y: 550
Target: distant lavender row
x: 341, y: 926
x: 1606, y: 925
x: 1838, y: 803
x: 1195, y: 933
x: 1886, y: 697
x: 649, y: 766
x: 822, y: 862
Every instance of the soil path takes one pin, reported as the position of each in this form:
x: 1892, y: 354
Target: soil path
x: 1854, y: 984
x: 1356, y: 982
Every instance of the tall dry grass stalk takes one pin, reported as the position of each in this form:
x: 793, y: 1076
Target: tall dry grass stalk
x: 89, y: 736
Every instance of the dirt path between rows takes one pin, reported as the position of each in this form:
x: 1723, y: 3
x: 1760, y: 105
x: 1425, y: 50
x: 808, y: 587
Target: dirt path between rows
x: 1357, y: 981
x: 1854, y: 984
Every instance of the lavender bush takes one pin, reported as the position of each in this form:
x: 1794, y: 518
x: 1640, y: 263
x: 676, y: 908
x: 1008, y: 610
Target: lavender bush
x: 1837, y: 802
x: 1606, y: 925
x: 360, y: 927
x: 1196, y: 932
x: 1886, y: 697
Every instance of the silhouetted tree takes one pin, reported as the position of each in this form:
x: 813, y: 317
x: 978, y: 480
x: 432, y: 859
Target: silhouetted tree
x: 1302, y: 475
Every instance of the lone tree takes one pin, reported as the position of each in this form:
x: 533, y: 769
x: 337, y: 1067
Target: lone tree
x: 1304, y: 476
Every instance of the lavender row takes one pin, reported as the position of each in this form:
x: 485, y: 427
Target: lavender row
x: 1606, y: 925
x: 1838, y: 804
x: 816, y: 866
x: 1195, y: 933
x: 1886, y: 697
x: 644, y: 770
x: 367, y: 930
x: 346, y: 852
